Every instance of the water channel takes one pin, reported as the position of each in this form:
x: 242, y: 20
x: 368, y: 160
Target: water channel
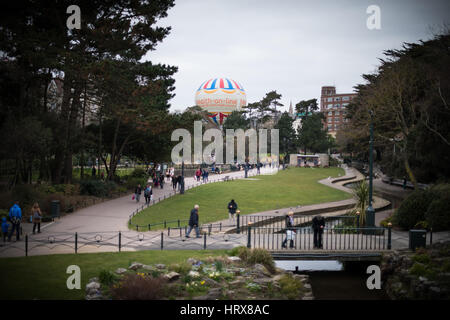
x: 334, y: 280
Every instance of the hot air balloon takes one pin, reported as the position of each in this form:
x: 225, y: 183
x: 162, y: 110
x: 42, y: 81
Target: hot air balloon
x: 220, y: 97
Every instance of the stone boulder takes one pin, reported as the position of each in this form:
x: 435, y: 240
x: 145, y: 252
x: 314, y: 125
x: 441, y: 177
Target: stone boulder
x: 234, y: 259
x: 194, y: 274
x: 160, y: 266
x: 172, y: 276
x: 135, y: 265
x: 192, y: 261
x: 121, y: 270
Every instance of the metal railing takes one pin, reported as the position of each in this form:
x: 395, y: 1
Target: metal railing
x: 172, y: 223
x: 270, y: 238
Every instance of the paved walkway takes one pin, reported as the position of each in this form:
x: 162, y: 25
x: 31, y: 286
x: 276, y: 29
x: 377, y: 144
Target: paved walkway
x: 105, y: 220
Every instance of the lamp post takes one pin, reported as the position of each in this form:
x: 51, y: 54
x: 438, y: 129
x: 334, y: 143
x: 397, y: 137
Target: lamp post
x: 182, y: 178
x: 370, y: 212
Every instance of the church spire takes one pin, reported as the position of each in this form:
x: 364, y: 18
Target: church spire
x: 291, y: 111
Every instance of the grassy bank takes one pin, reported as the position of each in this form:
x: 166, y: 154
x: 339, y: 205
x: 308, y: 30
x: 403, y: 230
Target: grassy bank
x: 44, y: 277
x: 296, y: 186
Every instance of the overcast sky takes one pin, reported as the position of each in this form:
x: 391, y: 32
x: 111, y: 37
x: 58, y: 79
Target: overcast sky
x: 293, y: 47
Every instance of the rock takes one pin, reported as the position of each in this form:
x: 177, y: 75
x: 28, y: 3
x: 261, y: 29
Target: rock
x: 307, y: 286
x: 192, y: 261
x: 148, y: 267
x: 237, y: 281
x: 96, y: 296
x: 263, y: 281
x: 214, y: 294
x: 95, y: 279
x: 212, y: 283
x: 171, y: 276
x: 92, y: 286
x: 423, y: 279
x: 234, y: 259
x: 160, y: 266
x: 435, y: 289
x: 135, y: 265
x: 121, y: 270
x: 194, y: 274
x: 261, y: 269
x: 308, y: 298
x: 277, y: 277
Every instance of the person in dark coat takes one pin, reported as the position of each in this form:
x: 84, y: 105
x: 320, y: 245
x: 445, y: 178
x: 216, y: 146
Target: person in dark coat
x: 318, y: 225
x: 193, y: 222
x: 161, y: 181
x: 289, y: 230
x: 138, y: 192
x: 179, y: 180
x: 174, y: 183
x: 232, y: 207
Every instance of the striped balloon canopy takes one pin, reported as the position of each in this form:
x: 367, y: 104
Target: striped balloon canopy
x: 220, y: 97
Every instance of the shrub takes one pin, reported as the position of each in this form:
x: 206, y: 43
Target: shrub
x: 413, y: 209
x: 138, y: 173
x: 290, y: 287
x: 438, y: 213
x: 262, y: 256
x: 107, y: 277
x: 243, y: 253
x: 181, y: 268
x: 421, y: 270
x: 93, y: 187
x: 132, y: 183
x: 138, y: 287
x: 422, y: 258
x: 26, y: 194
x: 219, y: 266
x: 384, y: 223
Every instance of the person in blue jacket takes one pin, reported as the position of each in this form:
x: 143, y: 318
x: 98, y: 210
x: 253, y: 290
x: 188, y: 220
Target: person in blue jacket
x: 5, y: 228
x: 15, y: 216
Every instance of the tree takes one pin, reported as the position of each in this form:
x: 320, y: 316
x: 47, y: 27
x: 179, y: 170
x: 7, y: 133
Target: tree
x: 312, y: 136
x: 287, y: 135
x: 236, y: 120
x: 408, y: 96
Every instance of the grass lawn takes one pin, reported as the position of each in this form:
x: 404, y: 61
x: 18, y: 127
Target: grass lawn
x: 44, y: 277
x: 292, y: 187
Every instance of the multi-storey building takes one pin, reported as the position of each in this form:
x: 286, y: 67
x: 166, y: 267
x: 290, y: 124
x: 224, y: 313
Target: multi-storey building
x: 333, y: 105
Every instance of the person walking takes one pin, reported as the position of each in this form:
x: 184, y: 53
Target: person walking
x: 161, y: 181
x: 15, y: 216
x: 37, y: 217
x: 207, y: 175
x: 232, y: 207
x: 137, y: 192
x: 289, y: 230
x: 193, y: 222
x: 5, y: 228
x: 147, y: 194
x: 179, y: 180
x: 198, y: 174
x: 318, y: 225
x: 174, y: 183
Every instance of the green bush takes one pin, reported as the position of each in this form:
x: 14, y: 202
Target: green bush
x: 384, y: 223
x: 242, y: 252
x: 422, y: 258
x: 290, y: 287
x: 413, y: 209
x: 421, y: 270
x: 107, y: 277
x: 132, y: 183
x: 262, y: 256
x: 181, y: 268
x: 438, y: 213
x: 93, y: 187
x: 138, y: 173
